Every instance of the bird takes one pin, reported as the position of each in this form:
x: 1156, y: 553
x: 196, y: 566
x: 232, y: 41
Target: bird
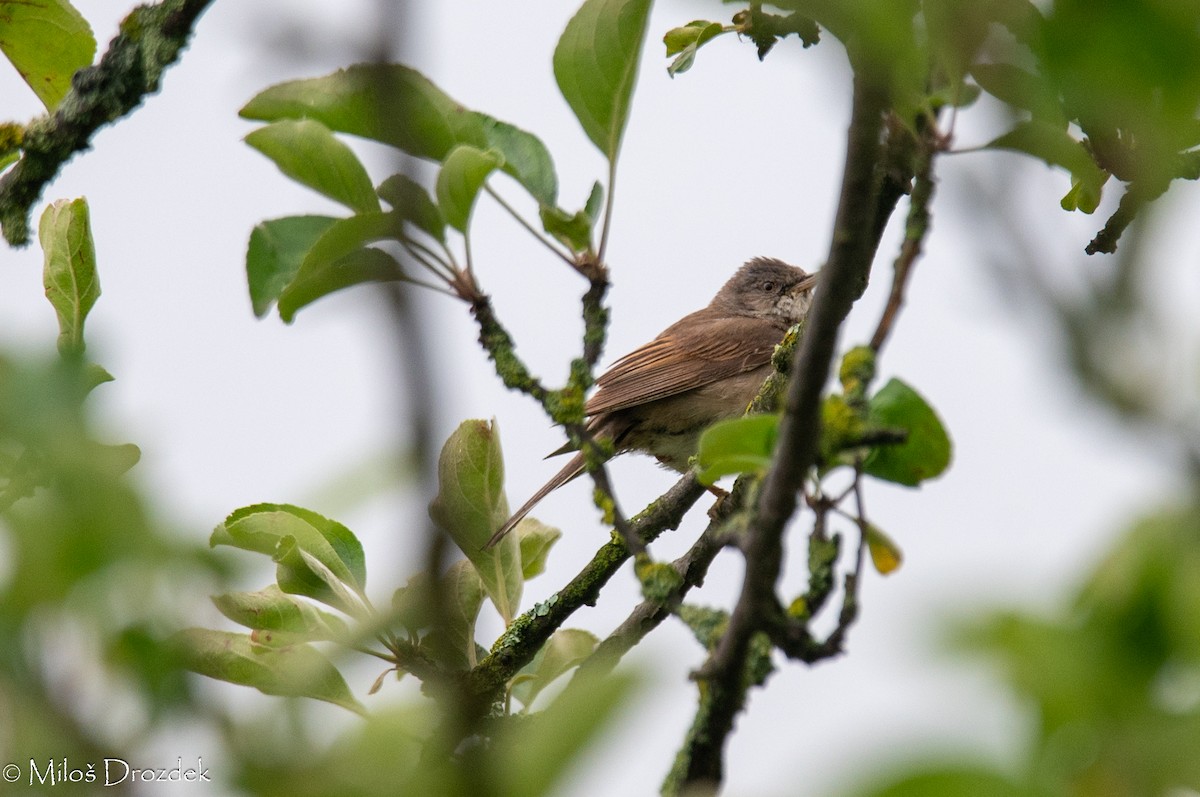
x: 706, y: 367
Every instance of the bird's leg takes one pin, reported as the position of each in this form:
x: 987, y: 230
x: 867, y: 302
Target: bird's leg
x: 714, y: 511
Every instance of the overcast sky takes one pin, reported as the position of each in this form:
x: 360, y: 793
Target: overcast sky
x: 732, y: 160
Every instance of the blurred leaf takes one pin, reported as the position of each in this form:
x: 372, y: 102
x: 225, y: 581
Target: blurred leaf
x: 1021, y: 89
x: 536, y: 754
x: 264, y: 527
x: 926, y: 452
x: 271, y: 610
x: 306, y: 151
x: 277, y: 248
x: 411, y: 603
x: 565, y: 648
x: 885, y: 554
x: 340, y: 258
x: 950, y: 781
x: 1056, y: 146
x: 684, y: 42
x: 738, y: 445
x: 454, y: 644
x: 72, y: 284
x: 536, y: 540
x: 413, y: 204
x: 47, y: 41
x: 596, y: 65
x: 399, y: 106
x: 299, y: 572
x: 296, y: 671
x: 458, y: 183
x: 470, y: 506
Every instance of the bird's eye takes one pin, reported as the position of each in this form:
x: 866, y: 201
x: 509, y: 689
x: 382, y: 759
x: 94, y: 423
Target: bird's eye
x: 768, y: 286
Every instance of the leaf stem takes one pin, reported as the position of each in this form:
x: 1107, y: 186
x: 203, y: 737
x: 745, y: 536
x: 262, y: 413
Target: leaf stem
x: 543, y: 240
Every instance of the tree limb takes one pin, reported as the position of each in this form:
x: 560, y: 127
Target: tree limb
x: 150, y: 40
x: 843, y: 279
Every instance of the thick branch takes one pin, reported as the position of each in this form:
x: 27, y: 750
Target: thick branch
x: 151, y: 39
x: 843, y: 279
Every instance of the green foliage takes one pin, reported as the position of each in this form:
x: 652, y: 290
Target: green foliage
x: 291, y: 671
x: 565, y: 649
x: 460, y: 180
x: 277, y: 248
x: 470, y: 506
x: 414, y: 205
x: 397, y: 105
x: 684, y: 42
x: 306, y: 151
x: 316, y: 557
x: 596, y: 64
x: 1110, y: 681
x: 47, y: 41
x: 537, y: 753
x: 72, y: 284
x: 739, y: 445
x: 340, y: 257
x: 925, y: 452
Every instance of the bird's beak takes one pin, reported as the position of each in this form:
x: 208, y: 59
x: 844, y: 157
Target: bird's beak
x: 806, y: 284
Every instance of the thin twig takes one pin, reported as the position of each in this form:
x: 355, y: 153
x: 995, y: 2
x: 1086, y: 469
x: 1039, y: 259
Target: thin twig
x: 916, y: 230
x: 543, y: 240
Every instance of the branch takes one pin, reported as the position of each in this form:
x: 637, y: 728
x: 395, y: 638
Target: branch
x: 150, y: 40
x: 530, y: 631
x: 915, y: 230
x: 843, y: 280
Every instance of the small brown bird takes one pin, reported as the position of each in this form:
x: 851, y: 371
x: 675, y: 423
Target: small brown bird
x: 706, y: 367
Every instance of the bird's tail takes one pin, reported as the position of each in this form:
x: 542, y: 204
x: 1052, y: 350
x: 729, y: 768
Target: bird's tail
x: 569, y: 471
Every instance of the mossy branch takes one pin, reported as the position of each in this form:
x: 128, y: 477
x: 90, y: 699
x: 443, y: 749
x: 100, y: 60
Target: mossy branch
x: 150, y: 40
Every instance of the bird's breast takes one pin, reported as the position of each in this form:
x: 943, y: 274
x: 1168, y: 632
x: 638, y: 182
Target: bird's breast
x: 670, y: 428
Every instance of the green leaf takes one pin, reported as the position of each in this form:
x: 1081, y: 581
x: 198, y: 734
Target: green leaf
x: 538, y: 755
x: 951, y: 781
x: 684, y: 42
x: 470, y: 506
x: 454, y: 643
x: 413, y: 204
x: 72, y: 284
x: 925, y: 454
x: 299, y: 572
x: 295, y: 671
x: 738, y: 445
x: 885, y: 553
x: 1055, y: 145
x: 536, y: 540
x: 401, y: 107
x: 279, y: 618
x: 47, y: 41
x: 264, y: 527
x: 363, y: 265
x: 277, y: 248
x: 1021, y: 89
x: 565, y: 648
x: 306, y: 151
x: 596, y: 64
x: 340, y: 258
x: 574, y: 230
x: 459, y: 182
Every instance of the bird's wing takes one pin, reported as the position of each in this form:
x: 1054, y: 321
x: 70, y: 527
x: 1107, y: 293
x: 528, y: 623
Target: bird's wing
x: 695, y: 352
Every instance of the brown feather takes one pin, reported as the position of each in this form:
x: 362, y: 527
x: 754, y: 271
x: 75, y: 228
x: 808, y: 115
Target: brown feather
x: 696, y: 351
